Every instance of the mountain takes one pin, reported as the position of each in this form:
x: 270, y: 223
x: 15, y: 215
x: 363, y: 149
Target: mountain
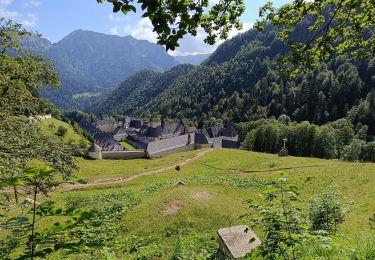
x: 139, y: 89
x: 240, y: 82
x: 90, y: 62
x: 192, y: 59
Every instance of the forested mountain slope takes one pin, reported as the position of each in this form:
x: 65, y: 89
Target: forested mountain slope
x: 240, y: 82
x: 92, y: 62
x: 138, y: 90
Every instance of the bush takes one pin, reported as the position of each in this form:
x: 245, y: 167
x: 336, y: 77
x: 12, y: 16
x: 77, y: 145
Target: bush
x: 284, y: 119
x: 368, y: 153
x: 248, y: 143
x: 71, y: 141
x: 372, y: 221
x: 83, y: 143
x: 51, y: 126
x: 284, y: 226
x: 353, y: 151
x: 61, y: 131
x: 326, y: 210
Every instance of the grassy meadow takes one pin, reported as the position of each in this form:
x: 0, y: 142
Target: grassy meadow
x: 96, y: 169
x: 159, y: 215
x: 50, y: 126
x: 127, y: 146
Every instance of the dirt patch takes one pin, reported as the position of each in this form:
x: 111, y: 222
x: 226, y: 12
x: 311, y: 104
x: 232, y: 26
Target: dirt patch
x: 201, y: 195
x: 172, y: 208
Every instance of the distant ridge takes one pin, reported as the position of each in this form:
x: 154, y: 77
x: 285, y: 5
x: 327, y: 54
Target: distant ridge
x: 92, y: 62
x: 192, y: 59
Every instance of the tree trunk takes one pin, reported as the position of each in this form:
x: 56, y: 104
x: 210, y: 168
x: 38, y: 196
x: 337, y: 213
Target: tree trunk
x: 33, y: 225
x: 15, y: 193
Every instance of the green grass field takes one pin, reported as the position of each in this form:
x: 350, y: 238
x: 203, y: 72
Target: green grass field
x: 50, y: 126
x: 95, y: 169
x: 216, y: 187
x: 127, y: 146
x: 157, y: 214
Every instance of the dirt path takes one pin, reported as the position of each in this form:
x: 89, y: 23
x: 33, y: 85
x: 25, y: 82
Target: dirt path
x: 95, y: 182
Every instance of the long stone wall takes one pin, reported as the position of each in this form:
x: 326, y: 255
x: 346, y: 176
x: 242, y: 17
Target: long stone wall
x: 123, y: 155
x: 175, y: 150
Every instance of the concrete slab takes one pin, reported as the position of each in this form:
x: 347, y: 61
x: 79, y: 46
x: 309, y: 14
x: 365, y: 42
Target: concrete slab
x: 237, y: 241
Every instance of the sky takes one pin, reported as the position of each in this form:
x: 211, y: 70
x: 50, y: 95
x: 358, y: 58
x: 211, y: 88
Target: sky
x: 55, y: 19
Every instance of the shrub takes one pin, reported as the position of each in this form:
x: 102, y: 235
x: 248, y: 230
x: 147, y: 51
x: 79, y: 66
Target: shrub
x: 326, y: 210
x: 287, y: 234
x: 284, y: 119
x: 70, y: 141
x: 353, y: 151
x: 83, y: 143
x: 248, y: 143
x: 368, y: 153
x: 51, y: 126
x: 282, y: 222
x: 61, y: 131
x: 372, y: 221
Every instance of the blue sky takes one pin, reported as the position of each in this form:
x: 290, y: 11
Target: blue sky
x: 55, y: 19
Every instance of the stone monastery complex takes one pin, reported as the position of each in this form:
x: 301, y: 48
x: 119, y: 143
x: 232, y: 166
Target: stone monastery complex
x: 151, y: 139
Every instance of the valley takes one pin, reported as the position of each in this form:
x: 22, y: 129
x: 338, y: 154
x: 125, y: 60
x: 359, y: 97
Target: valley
x: 178, y: 130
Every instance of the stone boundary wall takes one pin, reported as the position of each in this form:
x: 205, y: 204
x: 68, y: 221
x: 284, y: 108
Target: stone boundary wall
x: 185, y: 148
x: 123, y: 155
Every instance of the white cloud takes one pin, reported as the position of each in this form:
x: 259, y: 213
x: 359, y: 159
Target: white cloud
x: 114, y: 30
x: 4, y: 3
x: 116, y: 18
x: 32, y: 3
x: 189, y: 45
x: 245, y: 27
x: 27, y: 19
x: 8, y: 14
x: 142, y: 30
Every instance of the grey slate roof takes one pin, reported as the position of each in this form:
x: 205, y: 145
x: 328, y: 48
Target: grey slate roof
x: 174, y: 128
x: 120, y: 131
x: 229, y: 131
x: 136, y: 123
x: 154, y: 131
x: 100, y: 122
x: 201, y: 138
x: 214, y: 131
x: 104, y: 140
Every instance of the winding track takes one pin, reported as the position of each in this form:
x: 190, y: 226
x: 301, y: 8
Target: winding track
x: 96, y: 182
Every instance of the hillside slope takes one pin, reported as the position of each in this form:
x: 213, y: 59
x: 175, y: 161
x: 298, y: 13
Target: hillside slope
x: 138, y: 90
x: 240, y: 82
x: 71, y: 137
x: 156, y: 211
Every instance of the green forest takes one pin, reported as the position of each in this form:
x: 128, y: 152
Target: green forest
x: 241, y: 82
x: 335, y: 140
